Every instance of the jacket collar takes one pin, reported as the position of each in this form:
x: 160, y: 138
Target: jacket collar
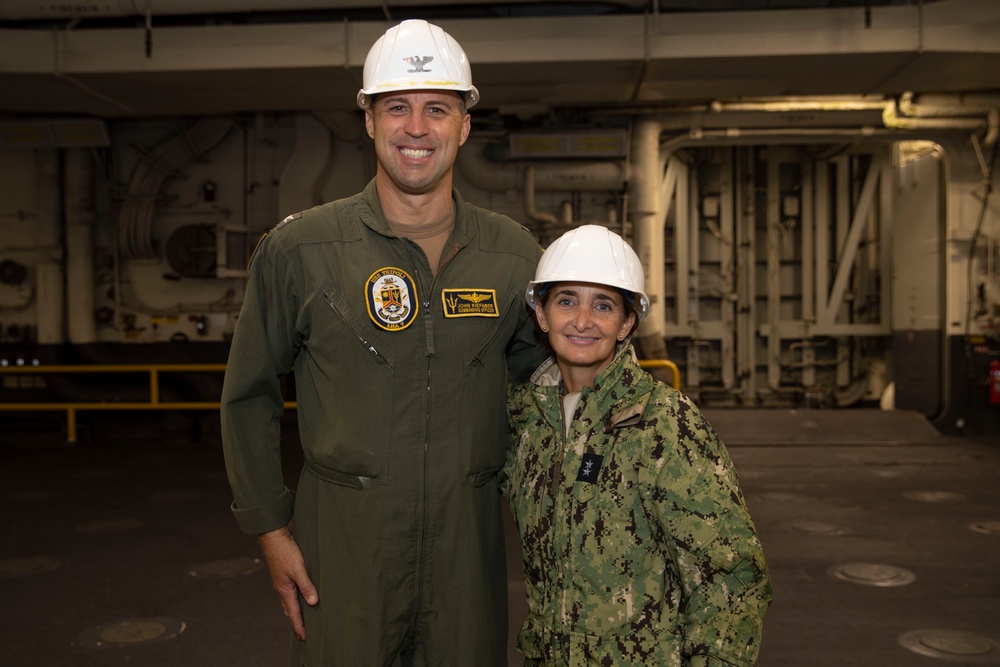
x: 623, y: 387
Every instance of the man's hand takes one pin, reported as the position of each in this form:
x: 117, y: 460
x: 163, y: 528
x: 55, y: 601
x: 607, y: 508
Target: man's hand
x: 288, y: 575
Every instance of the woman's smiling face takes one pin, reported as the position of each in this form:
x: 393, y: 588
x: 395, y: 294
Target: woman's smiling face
x: 584, y: 322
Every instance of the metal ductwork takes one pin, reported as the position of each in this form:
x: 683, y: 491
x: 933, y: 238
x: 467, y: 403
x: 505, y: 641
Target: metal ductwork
x: 153, y: 170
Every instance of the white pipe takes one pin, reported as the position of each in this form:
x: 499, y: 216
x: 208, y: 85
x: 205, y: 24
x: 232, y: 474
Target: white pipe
x: 547, y: 219
x: 992, y: 127
x: 773, y: 278
x: 647, y: 225
x: 484, y: 173
x: 852, y: 393
x: 955, y: 106
x: 566, y: 214
x: 50, y: 291
x: 580, y: 175
x: 893, y: 117
x: 949, y: 106
x: 789, y: 104
x: 80, y: 247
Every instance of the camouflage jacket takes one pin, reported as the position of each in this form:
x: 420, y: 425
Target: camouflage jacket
x: 638, y: 547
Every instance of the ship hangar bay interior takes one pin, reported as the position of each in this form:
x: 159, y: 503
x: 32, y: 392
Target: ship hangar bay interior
x: 808, y: 184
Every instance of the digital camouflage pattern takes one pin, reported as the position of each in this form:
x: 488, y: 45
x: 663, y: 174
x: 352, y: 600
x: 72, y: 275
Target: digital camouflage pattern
x: 655, y: 562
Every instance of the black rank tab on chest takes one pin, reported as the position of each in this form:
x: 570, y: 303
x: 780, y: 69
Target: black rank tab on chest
x: 589, y: 468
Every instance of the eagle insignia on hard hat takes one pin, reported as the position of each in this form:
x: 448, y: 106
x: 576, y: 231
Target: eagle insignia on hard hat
x: 389, y: 65
x: 418, y: 63
x: 392, y: 298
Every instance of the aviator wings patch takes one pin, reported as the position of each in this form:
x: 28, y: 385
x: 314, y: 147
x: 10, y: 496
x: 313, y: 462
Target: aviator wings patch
x: 470, y: 302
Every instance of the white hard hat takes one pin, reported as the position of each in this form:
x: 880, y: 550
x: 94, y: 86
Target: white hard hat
x: 416, y: 55
x: 591, y: 254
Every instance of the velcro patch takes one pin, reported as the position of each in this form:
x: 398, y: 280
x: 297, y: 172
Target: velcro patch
x: 470, y: 302
x: 392, y: 298
x: 589, y: 468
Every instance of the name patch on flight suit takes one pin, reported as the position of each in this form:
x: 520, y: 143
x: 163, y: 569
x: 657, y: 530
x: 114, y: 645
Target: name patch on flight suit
x: 589, y: 468
x: 470, y: 302
x: 391, y: 298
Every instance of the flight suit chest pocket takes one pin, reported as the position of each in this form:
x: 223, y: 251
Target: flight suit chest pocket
x: 483, y: 424
x: 349, y: 378
x: 488, y: 331
x: 348, y: 324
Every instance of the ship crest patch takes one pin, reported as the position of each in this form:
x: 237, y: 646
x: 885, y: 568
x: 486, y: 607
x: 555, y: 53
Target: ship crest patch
x: 391, y: 297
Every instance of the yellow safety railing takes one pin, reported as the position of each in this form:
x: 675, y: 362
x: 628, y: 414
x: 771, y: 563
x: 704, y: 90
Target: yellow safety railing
x: 154, y: 403
x: 664, y: 363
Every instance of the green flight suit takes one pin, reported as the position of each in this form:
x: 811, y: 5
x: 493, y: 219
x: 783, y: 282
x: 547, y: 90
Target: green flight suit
x: 638, y: 547
x: 400, y: 378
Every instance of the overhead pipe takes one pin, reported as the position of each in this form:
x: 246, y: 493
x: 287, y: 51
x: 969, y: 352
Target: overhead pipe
x: 495, y: 176
x: 905, y: 114
x: 960, y: 106
x: 799, y: 104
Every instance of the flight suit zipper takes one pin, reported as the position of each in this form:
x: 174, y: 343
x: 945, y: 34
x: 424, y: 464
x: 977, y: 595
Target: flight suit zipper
x: 430, y: 352
x: 328, y: 297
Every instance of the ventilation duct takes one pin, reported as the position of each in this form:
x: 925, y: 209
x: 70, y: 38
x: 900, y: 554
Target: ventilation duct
x: 154, y: 168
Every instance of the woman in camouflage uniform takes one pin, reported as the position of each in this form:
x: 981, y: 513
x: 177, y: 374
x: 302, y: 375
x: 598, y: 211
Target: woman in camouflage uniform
x: 638, y: 547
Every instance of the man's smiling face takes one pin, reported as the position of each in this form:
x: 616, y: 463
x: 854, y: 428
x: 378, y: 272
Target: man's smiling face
x: 417, y: 135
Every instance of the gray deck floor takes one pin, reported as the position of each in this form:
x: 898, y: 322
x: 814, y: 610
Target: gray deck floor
x: 883, y: 540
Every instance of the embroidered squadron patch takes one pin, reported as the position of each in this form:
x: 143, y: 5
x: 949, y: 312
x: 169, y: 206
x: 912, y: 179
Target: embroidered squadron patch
x: 470, y: 303
x: 392, y: 298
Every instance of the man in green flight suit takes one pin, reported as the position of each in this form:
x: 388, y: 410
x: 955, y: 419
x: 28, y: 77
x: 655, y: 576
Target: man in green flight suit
x: 400, y: 311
